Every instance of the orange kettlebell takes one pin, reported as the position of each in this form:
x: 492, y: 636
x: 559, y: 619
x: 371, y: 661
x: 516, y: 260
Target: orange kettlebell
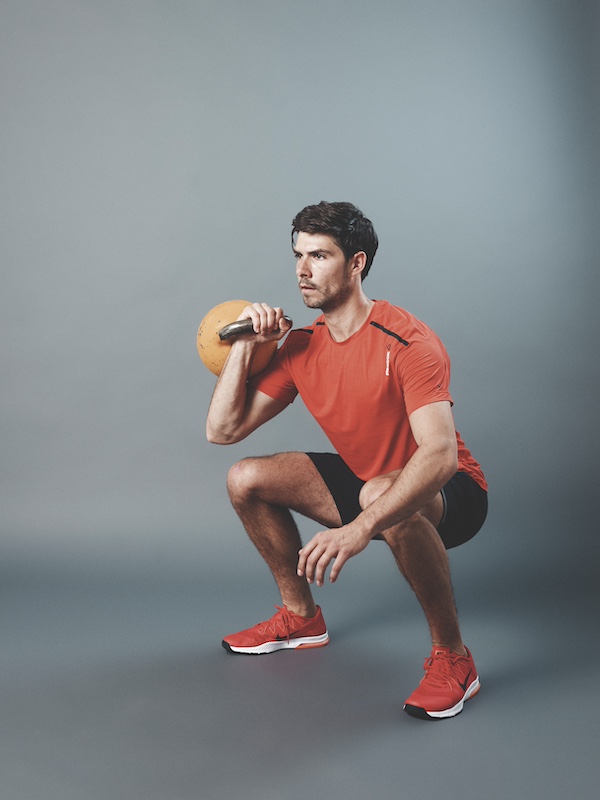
x: 217, y: 331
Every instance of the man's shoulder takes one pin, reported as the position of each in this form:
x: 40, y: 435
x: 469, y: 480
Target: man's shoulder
x: 396, y: 318
x: 406, y: 327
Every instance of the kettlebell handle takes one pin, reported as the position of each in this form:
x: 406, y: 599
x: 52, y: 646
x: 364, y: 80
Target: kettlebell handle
x: 239, y: 327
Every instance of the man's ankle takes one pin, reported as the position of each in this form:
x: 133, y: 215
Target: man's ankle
x: 301, y: 610
x: 457, y: 648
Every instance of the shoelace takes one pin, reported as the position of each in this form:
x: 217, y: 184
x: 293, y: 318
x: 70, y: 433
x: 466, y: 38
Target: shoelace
x: 279, y: 623
x: 440, y: 669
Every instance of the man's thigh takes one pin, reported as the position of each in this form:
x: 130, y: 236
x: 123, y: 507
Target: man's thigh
x: 291, y: 480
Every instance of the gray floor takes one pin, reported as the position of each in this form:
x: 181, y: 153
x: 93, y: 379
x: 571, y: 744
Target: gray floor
x: 115, y: 686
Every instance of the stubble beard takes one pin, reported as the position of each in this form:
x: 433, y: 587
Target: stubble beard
x: 328, y: 302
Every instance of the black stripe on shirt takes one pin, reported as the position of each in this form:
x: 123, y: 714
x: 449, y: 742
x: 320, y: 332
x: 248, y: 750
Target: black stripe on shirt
x: 390, y: 333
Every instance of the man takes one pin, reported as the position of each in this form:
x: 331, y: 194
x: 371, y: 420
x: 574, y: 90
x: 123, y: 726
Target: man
x: 377, y: 381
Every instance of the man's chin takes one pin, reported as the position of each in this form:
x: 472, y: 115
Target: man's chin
x: 311, y: 302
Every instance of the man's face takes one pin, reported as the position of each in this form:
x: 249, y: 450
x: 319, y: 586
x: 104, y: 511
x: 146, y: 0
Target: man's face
x: 322, y: 270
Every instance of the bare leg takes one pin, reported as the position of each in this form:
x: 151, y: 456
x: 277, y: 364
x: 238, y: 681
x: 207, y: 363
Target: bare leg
x: 262, y: 492
x: 422, y: 559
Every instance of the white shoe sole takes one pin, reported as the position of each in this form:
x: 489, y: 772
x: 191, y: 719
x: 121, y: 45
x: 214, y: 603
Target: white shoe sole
x: 422, y: 713
x: 301, y: 643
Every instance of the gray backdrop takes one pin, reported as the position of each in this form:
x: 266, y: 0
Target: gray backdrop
x: 153, y: 156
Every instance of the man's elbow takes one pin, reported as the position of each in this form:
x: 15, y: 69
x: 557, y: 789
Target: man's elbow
x: 450, y: 460
x: 217, y: 436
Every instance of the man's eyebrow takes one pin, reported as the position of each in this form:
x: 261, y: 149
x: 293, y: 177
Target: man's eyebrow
x: 314, y: 252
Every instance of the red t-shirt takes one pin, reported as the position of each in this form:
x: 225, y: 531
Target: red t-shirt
x: 363, y: 390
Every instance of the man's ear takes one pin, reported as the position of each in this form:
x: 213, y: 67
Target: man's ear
x: 358, y: 262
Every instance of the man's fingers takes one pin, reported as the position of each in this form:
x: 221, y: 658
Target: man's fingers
x: 321, y: 566
x: 339, y: 562
x: 308, y: 557
x: 267, y: 320
x: 303, y: 555
x: 301, y: 563
x: 317, y: 555
x: 314, y: 559
x: 338, y: 557
x: 311, y: 568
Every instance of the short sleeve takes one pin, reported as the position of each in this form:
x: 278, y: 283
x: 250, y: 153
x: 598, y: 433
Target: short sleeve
x: 424, y: 374
x: 276, y: 381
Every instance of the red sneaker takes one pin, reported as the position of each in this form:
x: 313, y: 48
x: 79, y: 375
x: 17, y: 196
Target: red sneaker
x: 284, y: 631
x: 449, y: 680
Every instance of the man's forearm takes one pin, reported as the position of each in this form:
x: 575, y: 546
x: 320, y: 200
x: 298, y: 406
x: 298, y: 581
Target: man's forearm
x: 228, y: 404
x: 416, y: 486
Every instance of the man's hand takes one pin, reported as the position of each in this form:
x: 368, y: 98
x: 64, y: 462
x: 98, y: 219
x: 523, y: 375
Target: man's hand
x: 338, y: 544
x: 268, y: 323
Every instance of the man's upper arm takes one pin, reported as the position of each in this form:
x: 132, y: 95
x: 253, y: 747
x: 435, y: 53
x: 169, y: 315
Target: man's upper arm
x: 260, y: 408
x: 432, y: 425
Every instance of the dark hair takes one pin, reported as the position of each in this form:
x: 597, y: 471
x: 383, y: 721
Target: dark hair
x: 345, y: 223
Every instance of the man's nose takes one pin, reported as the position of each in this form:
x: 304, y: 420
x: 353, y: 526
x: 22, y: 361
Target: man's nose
x: 302, y: 267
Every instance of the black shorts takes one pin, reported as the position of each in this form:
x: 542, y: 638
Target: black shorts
x: 465, y: 502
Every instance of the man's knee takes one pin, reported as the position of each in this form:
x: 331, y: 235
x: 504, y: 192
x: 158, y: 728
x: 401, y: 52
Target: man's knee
x: 245, y: 477
x: 373, y: 489
x: 255, y: 476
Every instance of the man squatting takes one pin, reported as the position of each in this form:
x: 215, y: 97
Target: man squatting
x: 376, y: 379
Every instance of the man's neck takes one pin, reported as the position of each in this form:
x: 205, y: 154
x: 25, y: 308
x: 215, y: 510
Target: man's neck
x: 342, y: 322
